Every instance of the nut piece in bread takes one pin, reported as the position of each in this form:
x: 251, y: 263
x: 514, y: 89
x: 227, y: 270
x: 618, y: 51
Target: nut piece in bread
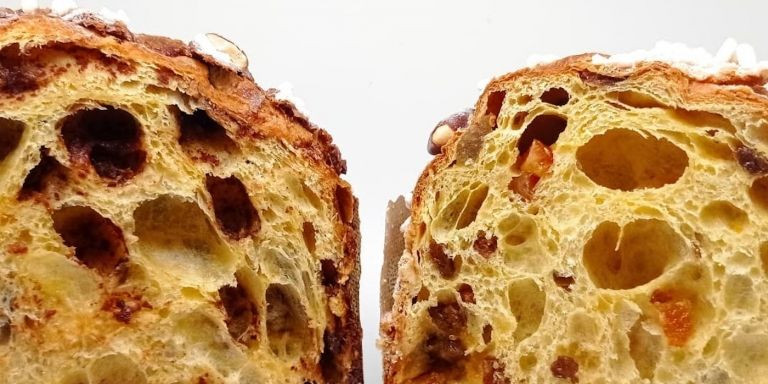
x: 162, y: 218
x: 597, y: 222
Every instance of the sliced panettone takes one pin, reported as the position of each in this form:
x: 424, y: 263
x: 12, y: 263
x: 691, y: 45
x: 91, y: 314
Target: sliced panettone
x: 598, y: 220
x: 162, y: 218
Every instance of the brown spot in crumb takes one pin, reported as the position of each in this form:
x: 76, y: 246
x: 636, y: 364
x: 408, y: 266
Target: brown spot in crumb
x: 445, y: 264
x: 752, y: 161
x: 487, y: 333
x: 17, y: 73
x: 563, y: 280
x: 485, y: 246
x: 17, y: 248
x: 123, y: 306
x: 467, y: 293
x: 449, y: 317
x: 565, y: 367
x: 493, y: 372
x: 443, y: 351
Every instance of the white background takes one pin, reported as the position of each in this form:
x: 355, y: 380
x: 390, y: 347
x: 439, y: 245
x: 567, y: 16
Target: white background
x: 379, y: 75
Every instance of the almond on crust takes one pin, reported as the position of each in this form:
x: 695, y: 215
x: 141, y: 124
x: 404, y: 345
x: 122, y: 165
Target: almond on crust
x: 629, y: 250
x: 163, y: 219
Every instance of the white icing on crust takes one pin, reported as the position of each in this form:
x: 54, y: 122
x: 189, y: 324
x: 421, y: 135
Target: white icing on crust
x: 204, y: 45
x: 285, y: 92
x: 62, y: 7
x: 731, y: 58
x: 68, y: 10
x: 538, y: 59
x: 112, y: 17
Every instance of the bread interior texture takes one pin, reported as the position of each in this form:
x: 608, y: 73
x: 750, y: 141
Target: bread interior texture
x: 603, y: 230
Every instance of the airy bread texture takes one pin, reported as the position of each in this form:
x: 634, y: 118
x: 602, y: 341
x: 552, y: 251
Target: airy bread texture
x: 593, y: 224
x: 163, y: 219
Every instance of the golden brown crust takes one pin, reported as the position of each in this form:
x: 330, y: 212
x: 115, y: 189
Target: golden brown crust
x: 271, y: 119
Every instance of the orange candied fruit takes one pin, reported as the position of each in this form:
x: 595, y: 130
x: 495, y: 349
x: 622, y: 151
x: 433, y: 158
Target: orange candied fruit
x: 676, y: 316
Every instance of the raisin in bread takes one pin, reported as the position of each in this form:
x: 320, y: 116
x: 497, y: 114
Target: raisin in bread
x: 597, y: 220
x: 162, y: 218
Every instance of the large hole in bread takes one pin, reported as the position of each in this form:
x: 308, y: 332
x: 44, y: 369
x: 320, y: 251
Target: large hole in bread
x: 723, y: 213
x: 199, y: 333
x: 516, y: 230
x: 345, y: 203
x: 462, y: 210
x: 625, y: 160
x: 234, y: 210
x: 329, y: 273
x: 545, y: 128
x: 474, y: 202
x: 47, y: 172
x: 242, y: 313
x: 763, y: 252
x: 702, y: 119
x: 108, y: 138
x: 204, y: 139
x: 115, y: 369
x: 636, y: 99
x: 177, y: 236
x: 526, y: 301
x: 758, y: 192
x: 10, y: 135
x: 645, y: 349
x: 555, y: 96
x: 287, y: 321
x: 624, y: 258
x: 495, y: 101
x: 694, y: 118
x: 98, y: 242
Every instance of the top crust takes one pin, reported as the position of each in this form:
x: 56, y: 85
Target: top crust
x: 238, y: 98
x: 717, y: 89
